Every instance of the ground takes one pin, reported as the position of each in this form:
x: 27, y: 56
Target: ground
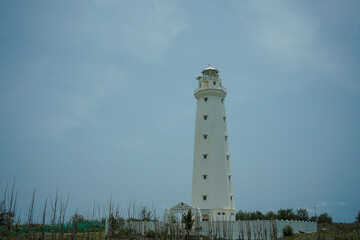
x: 331, y: 231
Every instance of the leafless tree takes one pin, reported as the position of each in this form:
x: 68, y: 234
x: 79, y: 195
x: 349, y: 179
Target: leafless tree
x: 54, y: 208
x: 248, y: 229
x: 43, y: 221
x: 8, y: 207
x: 99, y: 220
x: 112, y: 217
x: 74, y: 223
x: 273, y: 230
x: 241, y: 230
x: 62, y: 214
x: 30, y: 218
x: 265, y: 228
x: 156, y: 222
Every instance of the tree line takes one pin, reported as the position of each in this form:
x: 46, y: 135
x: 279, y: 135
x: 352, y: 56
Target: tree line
x: 300, y: 214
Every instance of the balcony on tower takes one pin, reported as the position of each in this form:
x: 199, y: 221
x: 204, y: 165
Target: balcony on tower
x: 210, y: 80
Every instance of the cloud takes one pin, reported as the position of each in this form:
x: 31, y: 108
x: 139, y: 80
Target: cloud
x: 294, y: 39
x: 143, y: 28
x: 322, y: 204
x: 341, y: 203
x: 281, y: 31
x: 101, y: 83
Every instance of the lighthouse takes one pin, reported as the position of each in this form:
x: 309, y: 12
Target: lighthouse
x: 212, y: 189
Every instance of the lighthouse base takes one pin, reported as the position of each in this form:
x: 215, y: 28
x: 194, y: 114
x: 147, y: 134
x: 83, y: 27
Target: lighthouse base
x: 217, y: 215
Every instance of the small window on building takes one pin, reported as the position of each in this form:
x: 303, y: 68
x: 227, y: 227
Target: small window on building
x: 204, y: 176
x: 223, y: 213
x: 232, y: 213
x: 199, y: 84
x: 205, y: 156
x: 220, y: 84
x: 226, y: 137
x: 231, y: 198
x: 214, y: 83
x: 205, y: 136
x: 204, y: 197
x: 224, y: 118
x: 222, y: 100
x: 229, y: 177
x: 227, y: 157
x: 219, y: 213
x: 205, y: 99
x: 205, y: 117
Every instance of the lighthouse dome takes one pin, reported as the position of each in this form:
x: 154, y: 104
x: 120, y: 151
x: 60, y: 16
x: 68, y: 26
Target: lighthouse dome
x: 210, y: 71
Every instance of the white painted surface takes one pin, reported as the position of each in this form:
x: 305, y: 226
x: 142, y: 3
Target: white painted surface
x: 253, y: 229
x: 217, y: 187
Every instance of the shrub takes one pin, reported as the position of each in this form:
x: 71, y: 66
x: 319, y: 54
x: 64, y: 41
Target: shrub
x: 357, y: 218
x: 325, y: 218
x: 288, y: 231
x: 150, y: 234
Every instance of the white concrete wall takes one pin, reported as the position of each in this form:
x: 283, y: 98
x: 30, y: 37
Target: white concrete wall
x: 255, y: 229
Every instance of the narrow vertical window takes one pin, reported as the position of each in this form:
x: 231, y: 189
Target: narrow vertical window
x: 222, y: 100
x: 224, y: 118
x: 214, y: 83
x: 205, y: 136
x: 204, y: 176
x: 205, y: 99
x: 204, y: 197
x: 205, y: 117
x: 231, y: 198
x: 227, y: 157
x: 204, y: 156
x: 226, y: 137
x: 229, y: 177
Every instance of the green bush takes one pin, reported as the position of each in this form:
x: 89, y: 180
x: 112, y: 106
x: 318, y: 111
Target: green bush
x: 288, y: 231
x: 325, y: 218
x: 150, y: 234
x: 357, y: 218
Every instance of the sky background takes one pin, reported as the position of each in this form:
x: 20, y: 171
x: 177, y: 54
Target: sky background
x: 96, y: 98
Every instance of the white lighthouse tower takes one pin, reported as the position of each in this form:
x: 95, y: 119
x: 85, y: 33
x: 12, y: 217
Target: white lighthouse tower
x: 212, y: 189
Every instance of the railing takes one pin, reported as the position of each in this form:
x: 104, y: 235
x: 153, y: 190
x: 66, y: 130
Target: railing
x: 212, y: 87
x: 211, y: 77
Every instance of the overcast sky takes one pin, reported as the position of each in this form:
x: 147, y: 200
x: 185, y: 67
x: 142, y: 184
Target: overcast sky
x: 96, y: 97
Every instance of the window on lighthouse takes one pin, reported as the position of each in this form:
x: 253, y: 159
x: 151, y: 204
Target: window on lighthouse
x: 205, y: 156
x: 205, y: 136
x: 205, y: 176
x: 226, y: 137
x: 204, y: 197
x: 205, y: 117
x: 224, y: 118
x: 228, y: 157
x: 205, y: 99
